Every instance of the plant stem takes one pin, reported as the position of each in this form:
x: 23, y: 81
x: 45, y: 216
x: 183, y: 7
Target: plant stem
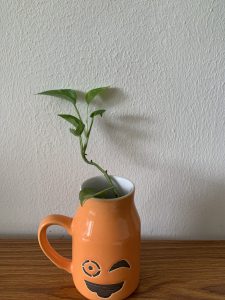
x: 79, y: 116
x: 87, y: 117
x: 83, y: 148
x: 78, y: 112
x: 104, y: 172
x: 102, y: 191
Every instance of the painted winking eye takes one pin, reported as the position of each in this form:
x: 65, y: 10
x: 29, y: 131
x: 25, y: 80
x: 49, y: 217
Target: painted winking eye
x: 91, y: 268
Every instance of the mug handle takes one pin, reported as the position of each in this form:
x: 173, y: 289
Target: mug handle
x: 57, y: 259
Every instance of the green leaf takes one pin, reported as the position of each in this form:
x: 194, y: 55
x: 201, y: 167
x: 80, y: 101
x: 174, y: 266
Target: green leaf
x: 67, y: 94
x: 76, y: 132
x: 90, y: 95
x: 97, y: 112
x: 71, y: 119
x: 85, y: 194
x: 88, y: 193
x: 78, y: 124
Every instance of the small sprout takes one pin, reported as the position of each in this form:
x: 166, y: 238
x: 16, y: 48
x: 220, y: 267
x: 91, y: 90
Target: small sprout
x: 82, y: 130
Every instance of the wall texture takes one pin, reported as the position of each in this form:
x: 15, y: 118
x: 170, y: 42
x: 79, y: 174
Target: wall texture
x: 165, y: 122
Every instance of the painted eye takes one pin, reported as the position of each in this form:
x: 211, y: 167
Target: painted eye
x: 120, y: 264
x: 91, y: 268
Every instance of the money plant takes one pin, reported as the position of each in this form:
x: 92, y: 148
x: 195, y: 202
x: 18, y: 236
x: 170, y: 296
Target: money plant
x: 82, y: 128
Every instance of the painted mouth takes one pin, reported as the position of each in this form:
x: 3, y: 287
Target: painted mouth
x: 104, y: 290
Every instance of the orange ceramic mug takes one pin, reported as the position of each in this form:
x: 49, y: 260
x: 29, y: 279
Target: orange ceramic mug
x: 105, y: 243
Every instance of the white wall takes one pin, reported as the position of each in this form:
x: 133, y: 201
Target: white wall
x: 165, y: 125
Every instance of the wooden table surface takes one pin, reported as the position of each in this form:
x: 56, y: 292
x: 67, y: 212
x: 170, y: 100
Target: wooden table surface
x: 171, y: 270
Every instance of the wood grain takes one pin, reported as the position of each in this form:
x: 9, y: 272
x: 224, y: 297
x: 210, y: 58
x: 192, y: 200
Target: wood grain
x: 171, y: 270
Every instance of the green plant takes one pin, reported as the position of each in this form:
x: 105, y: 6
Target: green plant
x: 82, y: 129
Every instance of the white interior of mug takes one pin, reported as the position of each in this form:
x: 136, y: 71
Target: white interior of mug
x: 99, y: 183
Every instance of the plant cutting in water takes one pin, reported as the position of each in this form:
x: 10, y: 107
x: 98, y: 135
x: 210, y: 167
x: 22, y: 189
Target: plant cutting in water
x: 82, y: 128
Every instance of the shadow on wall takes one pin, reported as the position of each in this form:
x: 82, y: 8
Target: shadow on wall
x: 127, y: 136
x: 128, y: 133
x: 190, y: 206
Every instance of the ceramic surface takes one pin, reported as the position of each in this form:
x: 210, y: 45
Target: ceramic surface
x: 105, y: 244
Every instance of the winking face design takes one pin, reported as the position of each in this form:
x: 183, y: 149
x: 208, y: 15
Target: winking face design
x: 92, y: 269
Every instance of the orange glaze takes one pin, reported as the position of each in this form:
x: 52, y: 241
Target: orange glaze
x: 105, y: 247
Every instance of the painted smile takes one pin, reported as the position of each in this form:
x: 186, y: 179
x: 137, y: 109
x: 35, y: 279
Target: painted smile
x: 103, y: 290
